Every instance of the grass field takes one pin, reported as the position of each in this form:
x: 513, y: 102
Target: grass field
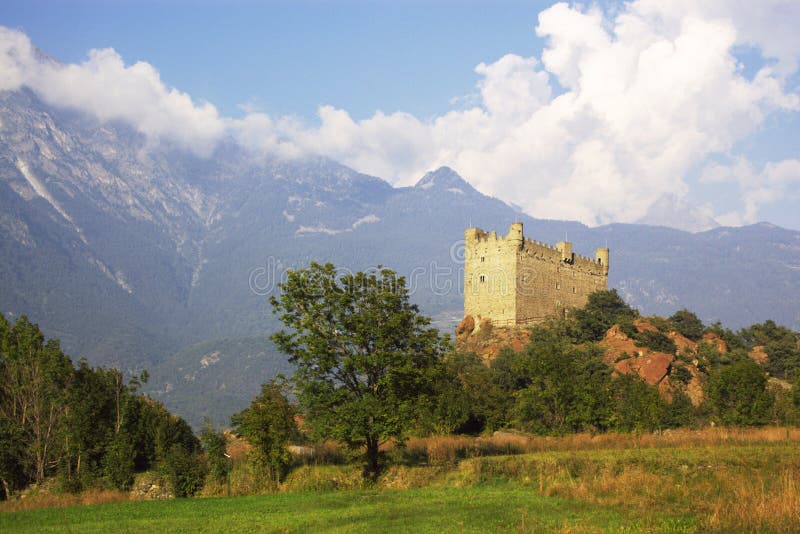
x: 485, y: 508
x: 709, y: 481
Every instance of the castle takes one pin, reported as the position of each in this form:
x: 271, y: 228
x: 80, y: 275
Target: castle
x: 512, y: 280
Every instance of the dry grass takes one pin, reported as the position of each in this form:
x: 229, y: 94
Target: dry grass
x: 759, y: 505
x: 751, y: 487
x: 448, y: 450
x: 35, y: 501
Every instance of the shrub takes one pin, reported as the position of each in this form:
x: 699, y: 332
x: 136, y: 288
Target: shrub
x: 184, y: 471
x: 738, y: 393
x: 688, y: 324
x: 657, y: 341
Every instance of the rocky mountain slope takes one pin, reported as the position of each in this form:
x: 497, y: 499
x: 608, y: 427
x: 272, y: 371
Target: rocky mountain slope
x: 139, y: 256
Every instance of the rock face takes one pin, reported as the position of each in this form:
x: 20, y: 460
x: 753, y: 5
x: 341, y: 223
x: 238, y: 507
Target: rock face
x: 682, y: 342
x: 488, y: 341
x: 655, y: 368
x: 715, y: 341
x: 466, y: 326
x: 759, y: 355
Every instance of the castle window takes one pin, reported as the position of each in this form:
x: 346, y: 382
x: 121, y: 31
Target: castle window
x: 482, y: 258
x: 558, y: 286
x: 573, y: 289
x: 483, y: 278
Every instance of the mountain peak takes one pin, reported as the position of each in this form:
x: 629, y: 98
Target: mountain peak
x: 444, y: 178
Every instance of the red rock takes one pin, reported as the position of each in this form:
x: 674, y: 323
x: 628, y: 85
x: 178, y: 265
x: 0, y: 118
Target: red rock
x: 466, y: 326
x: 615, y: 332
x: 682, y: 342
x: 717, y: 342
x: 758, y: 354
x: 655, y: 366
x: 644, y: 326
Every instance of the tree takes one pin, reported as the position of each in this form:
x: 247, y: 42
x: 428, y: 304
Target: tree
x: 215, y: 444
x: 567, y: 387
x: 363, y: 353
x: 268, y: 425
x: 688, y: 324
x: 34, y: 375
x: 602, y: 310
x: 739, y: 395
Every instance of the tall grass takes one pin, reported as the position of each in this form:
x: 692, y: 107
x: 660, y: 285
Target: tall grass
x: 35, y: 501
x: 448, y: 450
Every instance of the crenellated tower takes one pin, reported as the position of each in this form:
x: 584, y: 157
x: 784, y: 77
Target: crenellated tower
x: 512, y: 280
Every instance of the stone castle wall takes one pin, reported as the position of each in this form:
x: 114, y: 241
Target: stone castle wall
x: 513, y: 280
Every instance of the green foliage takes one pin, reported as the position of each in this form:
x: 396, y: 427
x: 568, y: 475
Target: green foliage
x: 118, y: 464
x: 84, y: 424
x: 268, y: 425
x: 470, y: 397
x: 681, y: 374
x: 34, y: 375
x: 661, y: 324
x: 738, y: 393
x: 450, y: 407
x: 183, y: 470
x: 565, y: 387
x: 363, y: 353
x: 603, y: 309
x: 688, y: 324
x: 636, y: 405
x: 657, y: 341
x: 780, y: 344
x: 215, y: 444
x: 731, y: 339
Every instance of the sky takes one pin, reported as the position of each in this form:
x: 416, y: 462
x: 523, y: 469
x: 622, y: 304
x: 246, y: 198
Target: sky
x: 673, y: 112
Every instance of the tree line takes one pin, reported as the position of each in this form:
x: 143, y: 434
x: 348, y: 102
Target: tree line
x: 370, y: 369
x: 86, y: 426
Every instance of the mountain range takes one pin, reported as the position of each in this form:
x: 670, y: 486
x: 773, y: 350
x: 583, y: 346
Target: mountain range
x: 138, y: 255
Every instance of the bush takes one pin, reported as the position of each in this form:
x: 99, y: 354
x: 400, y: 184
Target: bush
x: 688, y: 324
x: 656, y: 341
x: 118, y: 463
x: 603, y: 309
x: 183, y: 470
x: 738, y: 394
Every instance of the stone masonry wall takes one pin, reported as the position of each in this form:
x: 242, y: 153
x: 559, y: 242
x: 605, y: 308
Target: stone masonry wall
x: 513, y: 280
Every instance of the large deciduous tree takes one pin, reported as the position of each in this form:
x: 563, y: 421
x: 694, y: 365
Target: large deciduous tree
x: 363, y: 353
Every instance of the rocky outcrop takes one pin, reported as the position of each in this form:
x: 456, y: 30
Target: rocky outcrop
x: 683, y: 343
x: 150, y: 487
x: 759, y: 355
x: 466, y: 326
x: 488, y: 341
x: 622, y: 353
x: 715, y: 341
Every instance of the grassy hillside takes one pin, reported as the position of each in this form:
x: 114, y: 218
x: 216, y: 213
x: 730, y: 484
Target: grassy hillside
x: 715, y: 480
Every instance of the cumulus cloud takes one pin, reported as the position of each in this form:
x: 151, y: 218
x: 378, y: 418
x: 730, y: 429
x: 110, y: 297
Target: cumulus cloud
x: 642, y: 97
x: 617, y: 111
x: 106, y: 88
x: 758, y: 188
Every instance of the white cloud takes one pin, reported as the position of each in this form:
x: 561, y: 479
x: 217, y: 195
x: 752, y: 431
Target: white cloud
x: 646, y: 97
x: 776, y: 181
x: 621, y: 106
x: 106, y: 88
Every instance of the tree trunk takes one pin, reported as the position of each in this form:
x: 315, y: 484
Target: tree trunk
x: 373, y: 466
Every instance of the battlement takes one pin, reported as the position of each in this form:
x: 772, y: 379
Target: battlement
x: 512, y: 280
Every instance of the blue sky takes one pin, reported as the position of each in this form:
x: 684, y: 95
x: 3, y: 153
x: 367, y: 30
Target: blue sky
x: 666, y: 112
x: 289, y: 57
